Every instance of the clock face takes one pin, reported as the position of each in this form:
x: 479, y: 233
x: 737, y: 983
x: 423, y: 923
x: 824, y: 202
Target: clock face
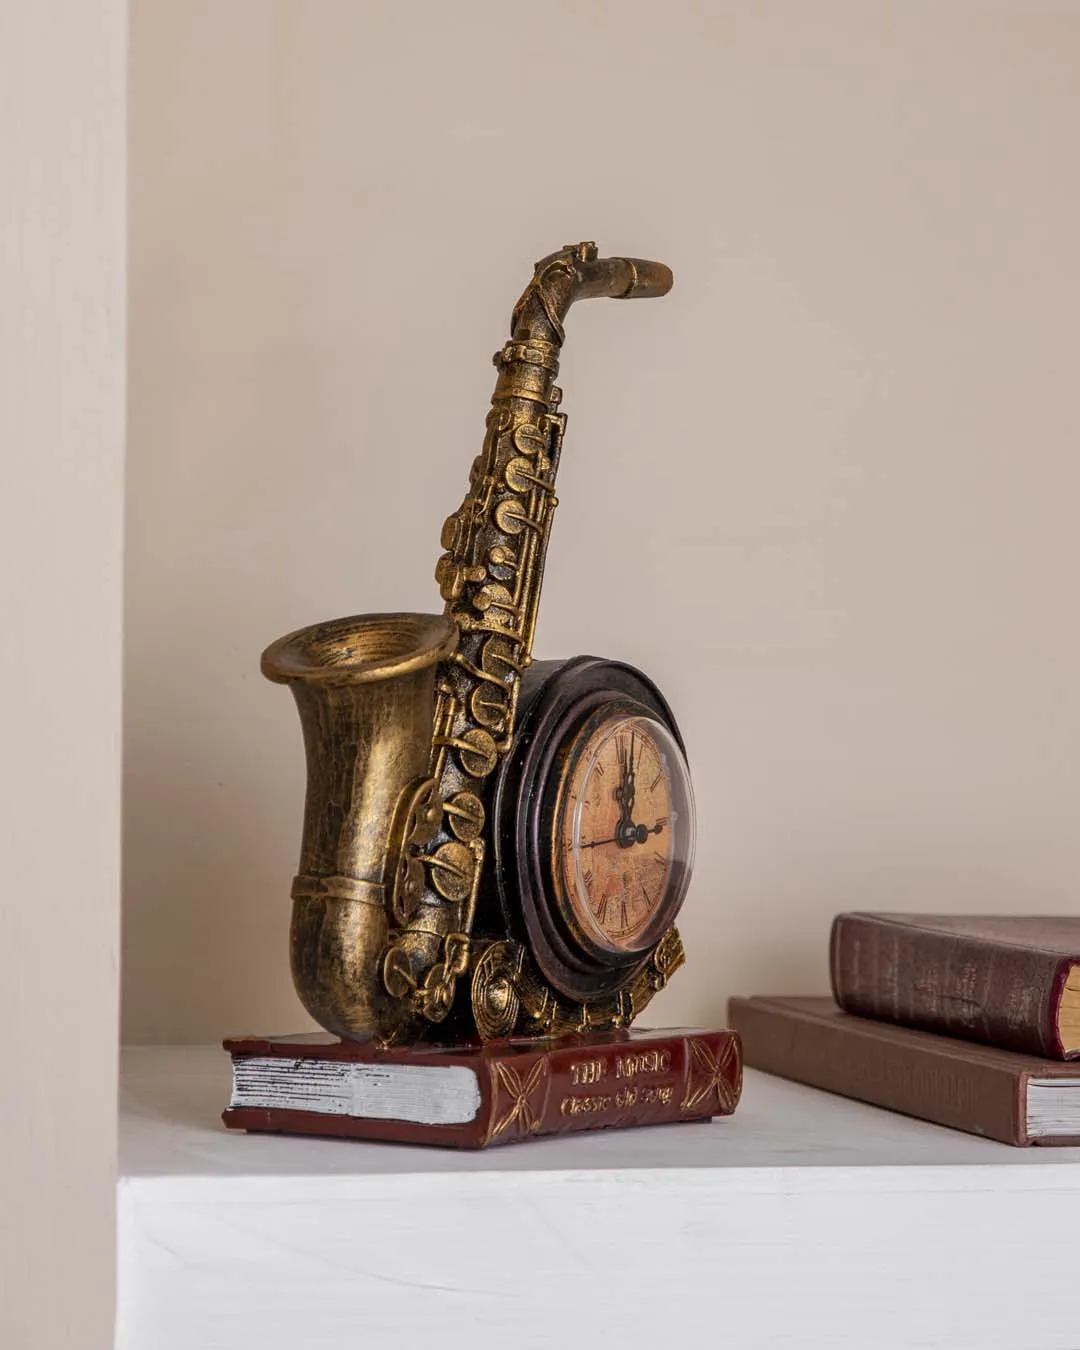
x: 624, y: 833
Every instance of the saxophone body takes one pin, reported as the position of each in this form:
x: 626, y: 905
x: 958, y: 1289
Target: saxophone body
x: 420, y: 893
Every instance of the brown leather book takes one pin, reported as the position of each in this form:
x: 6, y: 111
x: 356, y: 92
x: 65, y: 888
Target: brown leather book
x: 1017, y: 1099
x: 473, y: 1096
x: 1009, y: 982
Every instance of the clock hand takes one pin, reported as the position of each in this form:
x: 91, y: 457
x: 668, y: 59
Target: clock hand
x: 595, y: 843
x: 624, y: 795
x: 624, y: 791
x: 632, y: 834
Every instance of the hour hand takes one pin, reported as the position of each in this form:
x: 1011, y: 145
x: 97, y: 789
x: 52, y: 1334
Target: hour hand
x: 637, y: 834
x: 624, y: 793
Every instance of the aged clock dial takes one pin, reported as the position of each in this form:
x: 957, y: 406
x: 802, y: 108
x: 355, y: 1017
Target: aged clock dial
x: 625, y: 833
x: 594, y: 837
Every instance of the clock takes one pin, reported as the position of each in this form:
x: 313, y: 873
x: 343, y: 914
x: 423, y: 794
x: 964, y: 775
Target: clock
x: 595, y: 824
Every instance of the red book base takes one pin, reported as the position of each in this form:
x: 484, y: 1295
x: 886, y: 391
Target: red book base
x: 473, y: 1096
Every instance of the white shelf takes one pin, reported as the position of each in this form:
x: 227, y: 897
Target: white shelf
x: 805, y: 1220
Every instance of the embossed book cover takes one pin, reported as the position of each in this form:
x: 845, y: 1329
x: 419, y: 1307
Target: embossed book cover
x: 475, y: 1096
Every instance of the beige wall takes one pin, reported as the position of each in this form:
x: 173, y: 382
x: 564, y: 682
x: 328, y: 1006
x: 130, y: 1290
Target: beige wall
x: 62, y: 92
x: 826, y: 492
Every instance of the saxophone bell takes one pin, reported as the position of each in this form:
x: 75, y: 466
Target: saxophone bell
x: 365, y: 690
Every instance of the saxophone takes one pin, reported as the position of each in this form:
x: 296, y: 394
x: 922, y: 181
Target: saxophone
x: 407, y: 719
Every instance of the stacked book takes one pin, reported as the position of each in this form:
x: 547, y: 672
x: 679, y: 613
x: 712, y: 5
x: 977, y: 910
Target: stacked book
x: 969, y: 1022
x: 473, y: 1095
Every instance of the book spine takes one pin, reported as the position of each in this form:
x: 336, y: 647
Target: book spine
x: 596, y: 1087
x: 853, y: 1059
x: 947, y: 983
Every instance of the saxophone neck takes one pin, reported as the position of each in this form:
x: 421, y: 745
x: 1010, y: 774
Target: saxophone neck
x: 529, y: 361
x: 577, y: 273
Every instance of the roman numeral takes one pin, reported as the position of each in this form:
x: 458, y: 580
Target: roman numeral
x: 588, y: 879
x: 601, y: 913
x: 656, y: 781
x: 599, y: 768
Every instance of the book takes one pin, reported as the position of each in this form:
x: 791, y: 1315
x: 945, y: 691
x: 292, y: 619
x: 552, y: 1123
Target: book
x: 473, y: 1096
x: 1017, y: 1099
x: 1009, y: 982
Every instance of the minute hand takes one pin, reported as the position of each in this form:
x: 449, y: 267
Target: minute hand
x: 637, y: 834
x: 595, y: 843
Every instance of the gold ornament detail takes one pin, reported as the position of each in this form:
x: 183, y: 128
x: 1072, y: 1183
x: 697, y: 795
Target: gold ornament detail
x: 496, y: 1002
x: 510, y: 996
x: 708, y: 1073
x: 518, y: 1098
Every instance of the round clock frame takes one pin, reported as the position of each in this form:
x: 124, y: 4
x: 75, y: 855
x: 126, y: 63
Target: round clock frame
x: 562, y: 708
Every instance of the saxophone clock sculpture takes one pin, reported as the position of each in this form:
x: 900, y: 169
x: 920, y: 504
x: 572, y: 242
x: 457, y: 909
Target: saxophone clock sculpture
x: 495, y: 849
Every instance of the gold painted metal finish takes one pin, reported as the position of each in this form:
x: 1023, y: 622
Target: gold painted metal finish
x: 406, y: 718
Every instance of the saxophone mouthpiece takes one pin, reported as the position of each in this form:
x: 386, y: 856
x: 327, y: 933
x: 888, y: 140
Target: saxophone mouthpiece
x: 623, y: 278
x: 646, y: 278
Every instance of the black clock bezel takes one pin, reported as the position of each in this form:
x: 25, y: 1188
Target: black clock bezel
x: 557, y: 700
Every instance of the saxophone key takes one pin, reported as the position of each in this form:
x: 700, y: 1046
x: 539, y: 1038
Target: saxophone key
x: 529, y: 440
x: 502, y: 562
x: 512, y: 517
x: 466, y: 812
x: 488, y: 677
x: 499, y: 658
x: 520, y: 477
x: 476, y: 749
x: 489, y: 706
x: 495, y: 596
x: 452, y: 576
x: 452, y: 868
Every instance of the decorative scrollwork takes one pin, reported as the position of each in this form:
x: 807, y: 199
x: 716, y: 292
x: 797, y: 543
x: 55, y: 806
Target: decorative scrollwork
x: 709, y: 1074
x: 423, y: 814
x: 437, y: 994
x: 495, y: 999
x: 434, y: 996
x: 667, y: 957
x: 519, y: 1096
x: 508, y: 993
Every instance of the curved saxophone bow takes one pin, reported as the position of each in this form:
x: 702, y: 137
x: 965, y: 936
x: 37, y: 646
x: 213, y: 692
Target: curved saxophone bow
x: 396, y: 821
